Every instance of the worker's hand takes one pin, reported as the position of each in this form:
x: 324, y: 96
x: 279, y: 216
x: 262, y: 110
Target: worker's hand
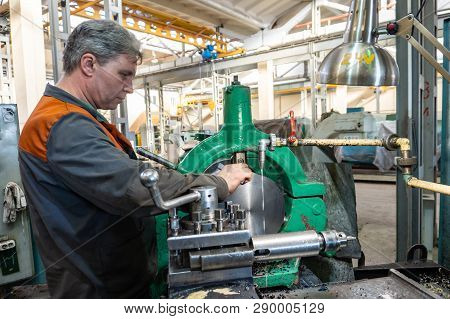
x: 235, y: 175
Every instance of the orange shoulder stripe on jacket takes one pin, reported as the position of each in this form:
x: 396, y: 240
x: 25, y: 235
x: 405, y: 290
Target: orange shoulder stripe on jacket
x: 48, y: 111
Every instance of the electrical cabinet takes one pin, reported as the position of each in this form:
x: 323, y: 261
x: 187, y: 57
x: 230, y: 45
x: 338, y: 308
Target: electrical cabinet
x: 16, y: 254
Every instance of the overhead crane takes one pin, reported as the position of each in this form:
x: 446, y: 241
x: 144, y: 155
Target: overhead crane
x: 161, y: 24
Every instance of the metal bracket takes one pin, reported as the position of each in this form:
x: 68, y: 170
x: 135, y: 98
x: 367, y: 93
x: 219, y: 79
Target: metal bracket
x: 423, y: 253
x: 405, y: 29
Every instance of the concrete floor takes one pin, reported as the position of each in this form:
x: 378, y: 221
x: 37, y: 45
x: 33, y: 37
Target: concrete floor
x: 375, y: 204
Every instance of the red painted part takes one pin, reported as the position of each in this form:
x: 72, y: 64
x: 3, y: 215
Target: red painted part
x: 292, y: 135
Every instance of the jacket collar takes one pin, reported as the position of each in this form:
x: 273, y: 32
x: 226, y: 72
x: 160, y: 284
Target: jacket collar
x: 64, y: 96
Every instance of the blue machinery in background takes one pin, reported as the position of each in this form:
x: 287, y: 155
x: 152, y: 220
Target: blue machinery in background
x: 209, y: 53
x: 444, y: 218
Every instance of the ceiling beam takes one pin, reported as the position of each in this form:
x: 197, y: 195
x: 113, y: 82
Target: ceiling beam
x: 199, y: 17
x: 232, y: 13
x: 333, y: 5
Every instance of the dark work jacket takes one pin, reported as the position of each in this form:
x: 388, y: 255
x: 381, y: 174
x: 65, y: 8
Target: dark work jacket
x: 81, y: 179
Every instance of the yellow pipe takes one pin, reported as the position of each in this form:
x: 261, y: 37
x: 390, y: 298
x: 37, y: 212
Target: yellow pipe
x: 434, y: 187
x: 403, y: 143
x: 340, y: 142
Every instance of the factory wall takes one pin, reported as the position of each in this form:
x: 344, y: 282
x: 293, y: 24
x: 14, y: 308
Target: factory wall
x: 300, y: 103
x: 355, y: 97
x: 360, y: 97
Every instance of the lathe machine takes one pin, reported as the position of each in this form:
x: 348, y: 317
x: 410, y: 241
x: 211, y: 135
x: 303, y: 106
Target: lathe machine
x: 261, y: 231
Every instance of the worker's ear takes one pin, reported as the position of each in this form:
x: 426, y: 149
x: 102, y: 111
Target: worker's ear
x: 87, y: 63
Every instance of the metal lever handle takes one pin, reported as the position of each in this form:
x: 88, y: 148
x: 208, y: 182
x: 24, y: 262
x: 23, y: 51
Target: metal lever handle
x: 158, y: 159
x: 150, y: 177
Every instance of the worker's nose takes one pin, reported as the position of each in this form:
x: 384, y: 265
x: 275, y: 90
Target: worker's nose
x: 128, y: 86
x: 128, y: 90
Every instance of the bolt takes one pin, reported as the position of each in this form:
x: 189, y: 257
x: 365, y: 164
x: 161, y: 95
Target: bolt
x: 241, y: 214
x: 233, y: 211
x: 197, y: 227
x: 219, y: 214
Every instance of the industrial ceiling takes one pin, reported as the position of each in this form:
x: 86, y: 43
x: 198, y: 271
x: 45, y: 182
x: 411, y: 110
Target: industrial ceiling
x: 238, y: 18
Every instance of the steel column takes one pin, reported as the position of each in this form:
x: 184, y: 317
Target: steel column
x: 408, y: 200
x: 54, y: 34
x: 215, y: 95
x: 315, y: 20
x: 427, y: 138
x: 150, y: 134
x: 113, y: 10
x: 161, y: 119
x: 119, y: 116
x: 444, y: 216
x: 313, y: 68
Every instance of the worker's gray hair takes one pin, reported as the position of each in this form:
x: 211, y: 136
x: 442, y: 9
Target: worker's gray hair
x: 104, y: 39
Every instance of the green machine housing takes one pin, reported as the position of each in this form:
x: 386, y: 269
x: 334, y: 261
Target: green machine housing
x: 304, y: 206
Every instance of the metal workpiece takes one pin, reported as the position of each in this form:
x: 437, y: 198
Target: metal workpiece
x: 150, y: 177
x: 333, y: 240
x: 158, y: 159
x: 286, y: 245
x: 297, y: 244
x: 208, y: 202
x: 224, y: 258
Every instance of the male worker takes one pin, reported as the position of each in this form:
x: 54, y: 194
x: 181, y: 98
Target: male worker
x: 81, y: 175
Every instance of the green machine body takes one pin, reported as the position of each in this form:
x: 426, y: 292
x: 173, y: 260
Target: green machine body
x: 304, y: 206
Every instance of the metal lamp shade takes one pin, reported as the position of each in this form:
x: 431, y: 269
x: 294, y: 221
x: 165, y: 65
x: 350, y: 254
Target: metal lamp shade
x: 359, y: 61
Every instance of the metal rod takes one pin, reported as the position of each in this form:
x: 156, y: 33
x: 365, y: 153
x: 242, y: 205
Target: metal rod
x: 405, y: 30
x: 55, y: 39
x: 297, y: 244
x: 340, y: 142
x: 158, y: 159
x: 444, y: 214
x: 434, y: 187
x: 286, y: 245
x: 430, y: 37
x: 429, y: 58
x: 149, y: 178
x: 363, y: 21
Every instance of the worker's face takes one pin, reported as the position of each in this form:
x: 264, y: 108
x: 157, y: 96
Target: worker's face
x: 112, y: 81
